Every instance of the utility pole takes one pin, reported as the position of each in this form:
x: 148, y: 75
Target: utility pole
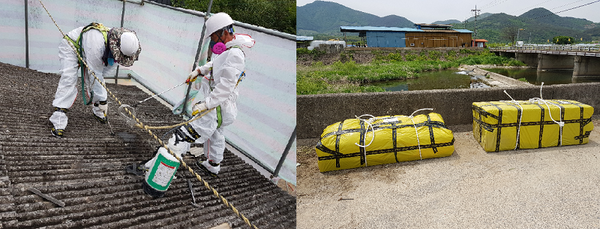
x: 476, y: 14
x: 518, y: 30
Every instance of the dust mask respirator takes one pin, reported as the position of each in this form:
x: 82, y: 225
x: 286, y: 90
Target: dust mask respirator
x: 219, y: 47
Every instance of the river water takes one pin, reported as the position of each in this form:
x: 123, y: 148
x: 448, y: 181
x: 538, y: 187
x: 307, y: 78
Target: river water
x: 453, y: 79
x: 533, y: 76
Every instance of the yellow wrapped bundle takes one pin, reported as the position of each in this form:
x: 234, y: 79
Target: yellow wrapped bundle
x: 359, y: 142
x: 537, y: 123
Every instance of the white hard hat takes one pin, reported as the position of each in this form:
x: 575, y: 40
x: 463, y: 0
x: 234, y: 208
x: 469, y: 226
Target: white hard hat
x: 216, y: 22
x: 129, y: 43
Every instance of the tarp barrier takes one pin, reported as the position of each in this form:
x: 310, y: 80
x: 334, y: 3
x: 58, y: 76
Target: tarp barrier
x: 509, y: 125
x: 388, y: 139
x: 169, y: 37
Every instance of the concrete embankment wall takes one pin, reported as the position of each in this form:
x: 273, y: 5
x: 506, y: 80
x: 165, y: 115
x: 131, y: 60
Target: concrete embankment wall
x: 315, y: 112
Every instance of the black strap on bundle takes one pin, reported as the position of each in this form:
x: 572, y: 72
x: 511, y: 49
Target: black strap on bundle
x: 480, y: 112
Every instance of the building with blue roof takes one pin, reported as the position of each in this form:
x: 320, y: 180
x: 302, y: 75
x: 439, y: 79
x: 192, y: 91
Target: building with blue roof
x: 423, y: 36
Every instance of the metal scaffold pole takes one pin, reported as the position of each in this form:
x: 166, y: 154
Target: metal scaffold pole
x: 200, y: 44
x: 122, y: 20
x: 285, y: 153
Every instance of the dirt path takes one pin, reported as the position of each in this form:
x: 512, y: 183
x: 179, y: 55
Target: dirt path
x: 542, y: 188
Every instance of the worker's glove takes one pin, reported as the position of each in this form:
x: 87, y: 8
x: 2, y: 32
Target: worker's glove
x: 193, y: 75
x: 199, y: 107
x: 202, y: 70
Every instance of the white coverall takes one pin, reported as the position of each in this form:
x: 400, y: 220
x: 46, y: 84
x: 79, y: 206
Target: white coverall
x: 66, y: 92
x: 226, y: 70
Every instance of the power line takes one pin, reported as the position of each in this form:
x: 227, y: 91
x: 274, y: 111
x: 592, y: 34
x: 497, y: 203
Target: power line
x: 562, y: 11
x: 566, y: 5
x: 492, y: 3
x: 496, y: 3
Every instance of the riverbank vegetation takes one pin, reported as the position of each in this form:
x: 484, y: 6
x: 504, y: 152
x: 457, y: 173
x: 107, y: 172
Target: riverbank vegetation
x: 346, y: 76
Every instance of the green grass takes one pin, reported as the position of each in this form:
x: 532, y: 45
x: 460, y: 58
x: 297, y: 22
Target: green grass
x: 489, y: 59
x: 349, y: 77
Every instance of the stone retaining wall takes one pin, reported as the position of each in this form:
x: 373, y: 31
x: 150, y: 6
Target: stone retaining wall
x: 315, y: 112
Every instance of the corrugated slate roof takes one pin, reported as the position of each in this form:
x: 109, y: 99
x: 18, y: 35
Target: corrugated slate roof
x: 86, y: 168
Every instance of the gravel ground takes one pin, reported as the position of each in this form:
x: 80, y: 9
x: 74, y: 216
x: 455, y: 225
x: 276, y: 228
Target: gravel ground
x: 541, y: 188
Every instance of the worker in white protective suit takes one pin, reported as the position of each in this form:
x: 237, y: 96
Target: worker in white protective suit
x: 100, y: 47
x: 219, y: 78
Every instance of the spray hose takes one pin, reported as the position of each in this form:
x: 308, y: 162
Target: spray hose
x: 198, y: 177
x: 197, y: 114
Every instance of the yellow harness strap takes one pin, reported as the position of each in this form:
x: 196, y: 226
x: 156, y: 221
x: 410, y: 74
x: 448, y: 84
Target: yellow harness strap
x: 98, y: 26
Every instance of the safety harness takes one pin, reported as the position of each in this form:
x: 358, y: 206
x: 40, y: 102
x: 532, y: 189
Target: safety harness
x: 94, y: 25
x: 78, y: 45
x: 193, y: 135
x: 211, y: 86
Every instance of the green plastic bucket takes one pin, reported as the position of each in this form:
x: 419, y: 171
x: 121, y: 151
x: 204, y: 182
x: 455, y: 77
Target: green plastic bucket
x: 159, y: 177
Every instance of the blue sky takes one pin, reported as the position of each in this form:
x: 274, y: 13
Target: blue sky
x: 428, y: 11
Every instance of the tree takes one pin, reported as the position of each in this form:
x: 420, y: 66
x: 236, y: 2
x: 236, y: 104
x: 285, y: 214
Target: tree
x: 562, y: 40
x: 509, y: 33
x: 279, y: 15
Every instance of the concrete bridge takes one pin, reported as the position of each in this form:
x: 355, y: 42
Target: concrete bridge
x: 584, y: 60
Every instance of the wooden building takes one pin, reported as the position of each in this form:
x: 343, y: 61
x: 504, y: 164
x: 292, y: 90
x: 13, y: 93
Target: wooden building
x: 423, y: 36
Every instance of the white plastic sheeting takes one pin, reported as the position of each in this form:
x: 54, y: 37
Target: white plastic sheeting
x: 170, y: 39
x: 317, y: 43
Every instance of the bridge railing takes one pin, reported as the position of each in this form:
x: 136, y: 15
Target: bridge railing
x: 580, y: 48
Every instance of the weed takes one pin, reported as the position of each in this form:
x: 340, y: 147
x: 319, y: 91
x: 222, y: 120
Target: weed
x: 347, y: 76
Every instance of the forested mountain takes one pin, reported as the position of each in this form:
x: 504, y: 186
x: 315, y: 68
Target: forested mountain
x: 321, y: 17
x: 447, y: 22
x: 536, y: 26
x: 594, y: 32
x: 479, y: 17
x: 544, y: 16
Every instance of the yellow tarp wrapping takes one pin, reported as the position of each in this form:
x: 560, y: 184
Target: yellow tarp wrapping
x: 388, y: 139
x: 496, y: 125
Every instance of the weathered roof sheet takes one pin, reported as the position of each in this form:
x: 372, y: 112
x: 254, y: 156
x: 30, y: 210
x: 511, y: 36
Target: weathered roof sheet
x: 432, y: 26
x: 373, y: 28
x: 86, y: 168
x: 463, y: 30
x: 357, y: 29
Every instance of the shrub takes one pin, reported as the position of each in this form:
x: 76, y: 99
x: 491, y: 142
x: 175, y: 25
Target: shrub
x: 410, y: 57
x: 434, y: 55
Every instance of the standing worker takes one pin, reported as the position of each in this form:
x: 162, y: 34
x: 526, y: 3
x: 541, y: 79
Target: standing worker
x: 101, y: 47
x: 219, y: 78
